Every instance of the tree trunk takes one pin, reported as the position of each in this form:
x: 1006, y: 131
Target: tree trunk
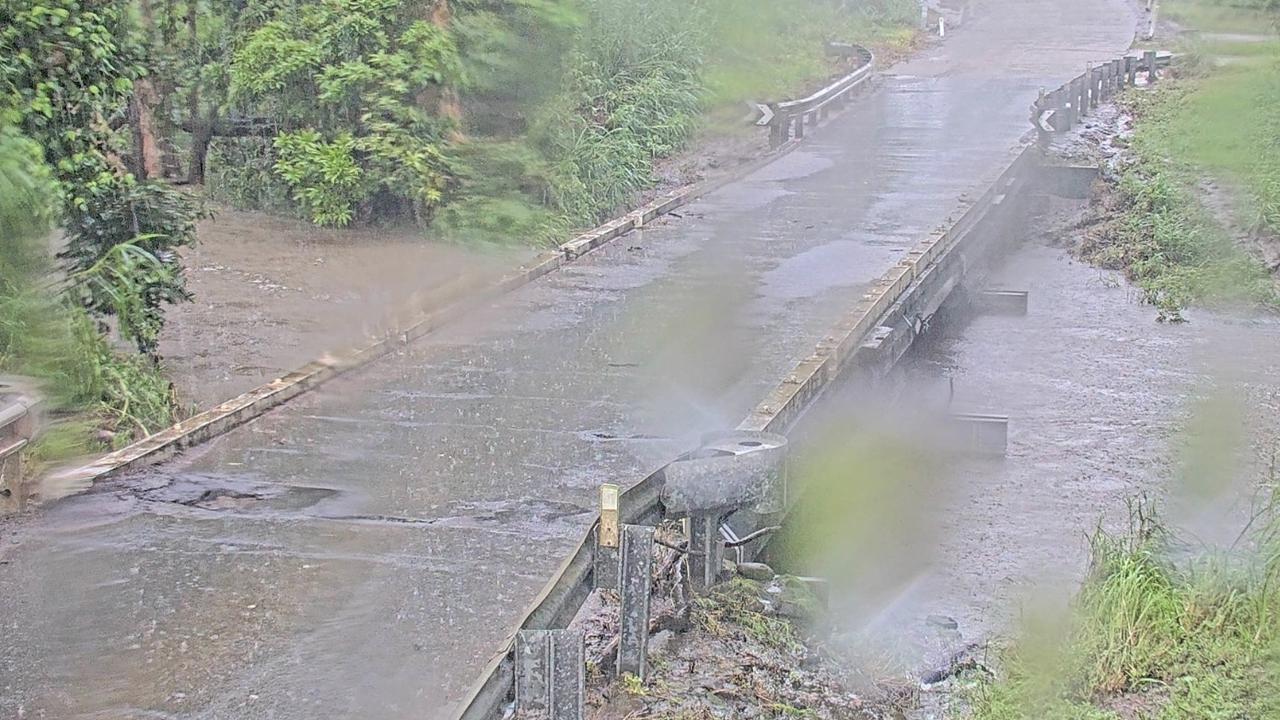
x: 201, y: 134
x: 447, y: 103
x: 148, y: 159
x: 202, y: 128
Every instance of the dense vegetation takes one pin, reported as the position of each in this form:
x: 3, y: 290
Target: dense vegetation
x: 1217, y: 119
x: 518, y: 120
x: 66, y: 77
x: 53, y: 338
x: 477, y: 120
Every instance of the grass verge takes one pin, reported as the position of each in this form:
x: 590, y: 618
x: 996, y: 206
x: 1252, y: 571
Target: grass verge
x: 1217, y: 118
x: 1151, y: 637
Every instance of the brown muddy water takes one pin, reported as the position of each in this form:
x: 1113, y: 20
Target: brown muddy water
x: 936, y: 553
x: 273, y: 293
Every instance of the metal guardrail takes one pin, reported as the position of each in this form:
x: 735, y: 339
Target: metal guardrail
x: 1061, y: 109
x: 786, y: 120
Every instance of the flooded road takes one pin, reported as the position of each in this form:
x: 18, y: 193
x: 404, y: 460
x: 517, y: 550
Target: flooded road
x: 364, y: 550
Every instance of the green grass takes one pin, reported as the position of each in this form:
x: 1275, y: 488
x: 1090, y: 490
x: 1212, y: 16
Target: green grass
x: 1198, y: 639
x: 736, y: 604
x: 764, y: 50
x: 1221, y: 16
x: 1224, y: 120
x: 1224, y: 123
x: 1216, y: 120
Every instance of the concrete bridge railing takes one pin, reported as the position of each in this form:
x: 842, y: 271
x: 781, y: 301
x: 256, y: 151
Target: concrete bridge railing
x: 17, y: 430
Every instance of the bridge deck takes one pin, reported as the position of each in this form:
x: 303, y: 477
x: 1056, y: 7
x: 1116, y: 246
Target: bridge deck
x: 363, y: 550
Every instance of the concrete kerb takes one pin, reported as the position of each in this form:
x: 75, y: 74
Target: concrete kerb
x: 454, y: 302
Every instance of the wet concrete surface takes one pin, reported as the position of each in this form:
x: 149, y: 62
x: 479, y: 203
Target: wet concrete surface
x: 364, y: 550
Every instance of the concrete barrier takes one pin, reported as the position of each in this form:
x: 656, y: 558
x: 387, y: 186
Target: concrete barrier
x: 18, y: 425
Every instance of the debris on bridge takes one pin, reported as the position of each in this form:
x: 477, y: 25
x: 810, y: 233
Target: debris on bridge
x: 746, y: 649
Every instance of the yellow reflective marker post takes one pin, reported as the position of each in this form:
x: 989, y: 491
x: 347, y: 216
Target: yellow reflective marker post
x: 608, y: 536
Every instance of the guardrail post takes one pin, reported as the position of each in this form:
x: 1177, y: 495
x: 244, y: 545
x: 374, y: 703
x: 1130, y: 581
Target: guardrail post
x: 706, y: 551
x: 636, y: 585
x: 550, y: 668
x: 1095, y: 87
x: 778, y: 131
x: 1149, y: 58
x: 1072, y: 91
x: 800, y: 126
x: 1117, y: 74
x: 1086, y: 90
x: 1130, y: 70
x: 1062, y: 110
x: 1073, y: 98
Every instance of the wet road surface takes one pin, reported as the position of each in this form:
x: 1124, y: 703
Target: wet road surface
x: 364, y: 550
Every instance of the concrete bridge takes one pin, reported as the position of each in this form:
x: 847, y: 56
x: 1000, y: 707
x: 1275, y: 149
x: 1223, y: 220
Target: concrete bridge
x: 364, y: 550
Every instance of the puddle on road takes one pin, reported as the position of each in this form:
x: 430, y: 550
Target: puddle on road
x: 236, y: 494
x: 245, y: 498
x: 843, y: 263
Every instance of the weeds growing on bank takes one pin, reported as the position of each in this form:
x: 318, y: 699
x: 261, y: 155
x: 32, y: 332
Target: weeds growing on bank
x: 54, y: 343
x: 576, y: 139
x: 1190, y: 639
x: 642, y: 80
x: 1218, y: 117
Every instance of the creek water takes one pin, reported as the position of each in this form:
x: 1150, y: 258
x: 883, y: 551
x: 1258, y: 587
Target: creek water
x: 931, y: 552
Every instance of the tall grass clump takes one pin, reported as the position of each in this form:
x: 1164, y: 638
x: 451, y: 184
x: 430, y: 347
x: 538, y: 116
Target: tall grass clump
x: 1187, y: 639
x: 1175, y: 252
